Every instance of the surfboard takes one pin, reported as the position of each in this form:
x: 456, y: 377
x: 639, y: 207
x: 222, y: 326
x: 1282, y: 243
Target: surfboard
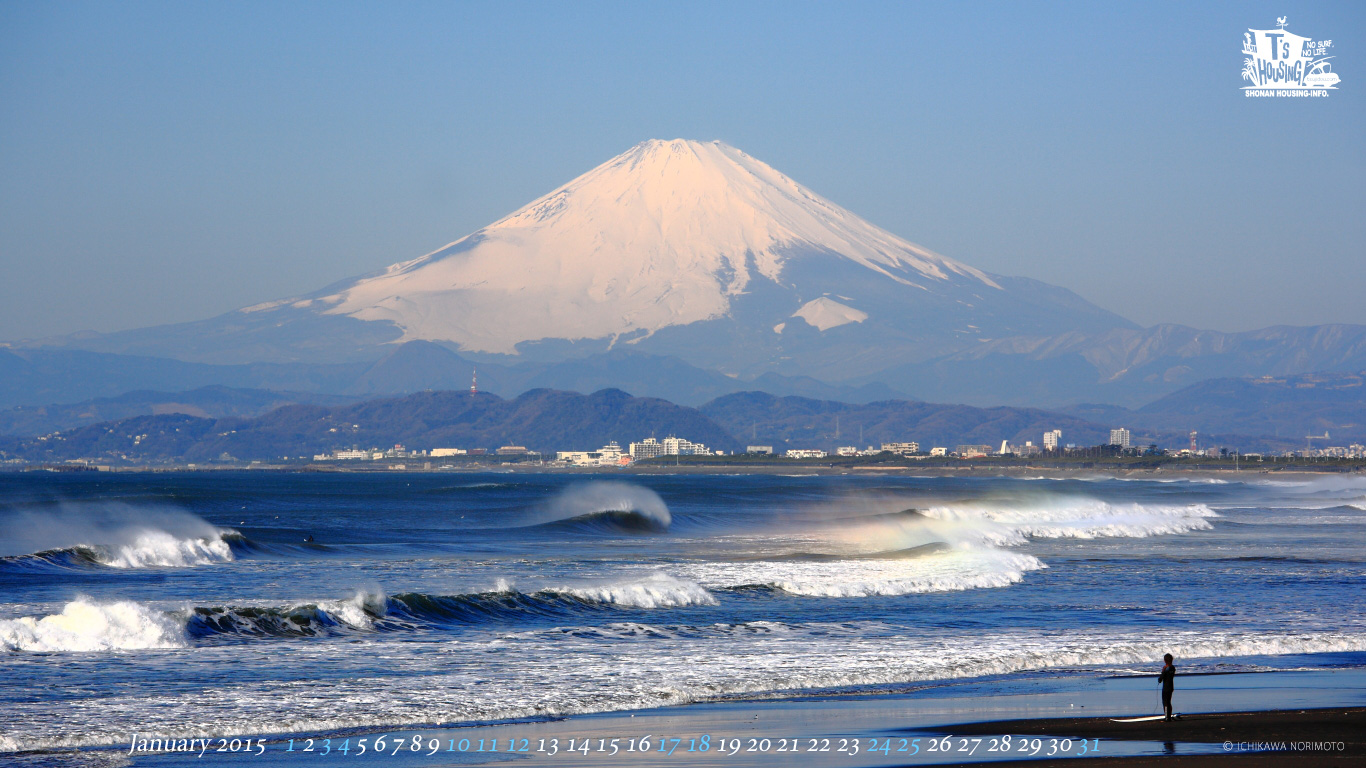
x: 1138, y: 719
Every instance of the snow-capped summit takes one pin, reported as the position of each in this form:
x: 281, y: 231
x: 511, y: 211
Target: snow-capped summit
x: 682, y: 255
x: 666, y: 234
x: 687, y: 249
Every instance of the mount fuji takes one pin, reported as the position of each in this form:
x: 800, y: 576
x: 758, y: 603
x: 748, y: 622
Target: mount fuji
x: 699, y: 252
x: 679, y: 247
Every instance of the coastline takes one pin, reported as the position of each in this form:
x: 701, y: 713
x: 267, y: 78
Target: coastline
x: 1304, y: 706
x: 1044, y: 689
x: 1298, y: 737
x: 1099, y: 471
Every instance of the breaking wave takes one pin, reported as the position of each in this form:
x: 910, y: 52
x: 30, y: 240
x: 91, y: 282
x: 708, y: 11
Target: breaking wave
x: 604, y: 507
x: 946, y: 572
x: 112, y: 536
x: 739, y: 661
x: 611, y: 521
x: 654, y: 591
x: 147, y: 549
x: 1077, y: 518
x: 877, y: 547
x: 86, y: 625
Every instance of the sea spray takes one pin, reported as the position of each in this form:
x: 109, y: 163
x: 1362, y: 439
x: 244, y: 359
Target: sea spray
x: 85, y: 625
x: 607, y: 507
x: 112, y: 534
x: 881, y: 545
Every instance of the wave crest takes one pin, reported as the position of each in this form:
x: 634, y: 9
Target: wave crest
x: 111, y: 535
x: 948, y: 571
x: 1007, y: 525
x: 87, y: 625
x: 658, y: 590
x: 604, y: 507
x: 884, y: 548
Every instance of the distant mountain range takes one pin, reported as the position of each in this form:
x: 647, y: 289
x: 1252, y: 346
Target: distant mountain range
x: 544, y: 420
x: 683, y: 270
x: 804, y: 422
x: 1132, y: 367
x: 1285, y: 407
x: 42, y: 377
x: 213, y: 402
x: 211, y: 423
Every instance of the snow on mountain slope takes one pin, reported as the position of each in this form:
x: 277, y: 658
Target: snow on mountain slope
x: 824, y: 314
x: 667, y: 234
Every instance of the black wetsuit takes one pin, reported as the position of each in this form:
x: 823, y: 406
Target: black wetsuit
x: 1168, y: 680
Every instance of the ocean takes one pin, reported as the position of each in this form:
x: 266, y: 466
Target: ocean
x: 232, y: 605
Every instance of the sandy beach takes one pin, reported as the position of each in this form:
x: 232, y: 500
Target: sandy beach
x: 1304, y: 737
x: 1322, y: 713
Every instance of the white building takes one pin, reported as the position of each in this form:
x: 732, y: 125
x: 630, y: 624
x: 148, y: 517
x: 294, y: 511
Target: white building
x: 649, y: 448
x: 847, y: 450
x: 347, y: 455
x: 1119, y: 437
x: 903, y: 449
x: 677, y: 446
x: 939, y: 451
x: 805, y: 453
x: 1052, y: 439
x: 436, y: 452
x: 762, y: 450
x: 609, y: 455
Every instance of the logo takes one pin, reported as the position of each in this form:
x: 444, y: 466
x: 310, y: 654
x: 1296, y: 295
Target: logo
x: 1281, y: 63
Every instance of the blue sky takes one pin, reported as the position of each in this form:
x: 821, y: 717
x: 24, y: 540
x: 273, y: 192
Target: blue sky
x: 168, y: 162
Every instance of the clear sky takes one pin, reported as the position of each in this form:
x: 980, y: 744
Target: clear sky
x: 168, y: 162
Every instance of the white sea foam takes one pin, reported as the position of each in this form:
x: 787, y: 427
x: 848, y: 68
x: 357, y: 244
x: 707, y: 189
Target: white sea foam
x: 87, y: 625
x: 874, y: 552
x: 116, y: 535
x: 358, y: 611
x: 1078, y: 518
x: 481, y: 679
x: 949, y: 571
x: 657, y: 590
x: 154, y: 548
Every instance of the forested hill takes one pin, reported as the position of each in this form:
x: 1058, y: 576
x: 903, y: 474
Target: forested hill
x: 542, y: 419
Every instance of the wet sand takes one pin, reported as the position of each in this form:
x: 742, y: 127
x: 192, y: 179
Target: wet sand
x: 1305, y: 737
x: 1323, y: 705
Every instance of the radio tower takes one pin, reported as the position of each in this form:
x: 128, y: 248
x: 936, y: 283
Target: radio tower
x: 474, y: 382
x: 1193, y: 434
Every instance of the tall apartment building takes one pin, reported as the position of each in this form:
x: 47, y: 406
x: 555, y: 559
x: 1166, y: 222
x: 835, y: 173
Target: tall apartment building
x: 1119, y: 437
x: 1052, y: 439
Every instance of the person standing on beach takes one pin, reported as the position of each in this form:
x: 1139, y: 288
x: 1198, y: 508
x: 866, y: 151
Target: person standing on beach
x: 1168, y: 681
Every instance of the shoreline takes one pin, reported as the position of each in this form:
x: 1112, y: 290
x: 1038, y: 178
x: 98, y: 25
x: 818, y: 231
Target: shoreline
x: 1004, y: 471
x: 1319, y: 705
x: 1295, y: 737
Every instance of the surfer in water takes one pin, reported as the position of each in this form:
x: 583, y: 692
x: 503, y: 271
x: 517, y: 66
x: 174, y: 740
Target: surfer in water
x: 1168, y: 681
